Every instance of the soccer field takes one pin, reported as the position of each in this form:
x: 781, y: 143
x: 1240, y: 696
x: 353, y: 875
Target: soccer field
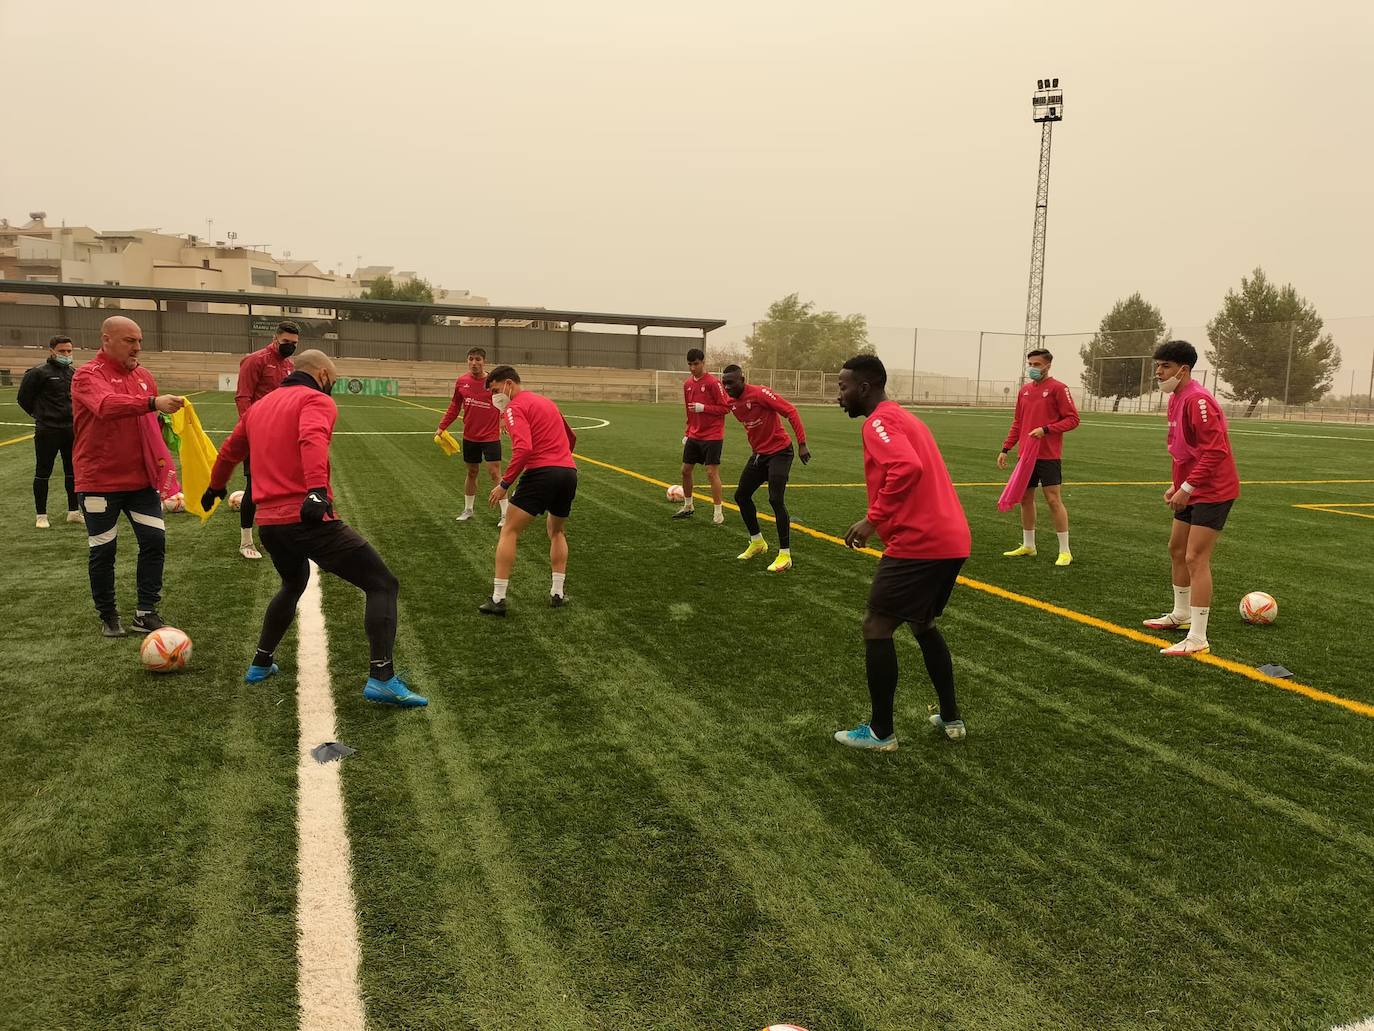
x: 628, y: 813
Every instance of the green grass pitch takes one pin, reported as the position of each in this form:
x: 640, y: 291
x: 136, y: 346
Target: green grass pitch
x: 629, y: 813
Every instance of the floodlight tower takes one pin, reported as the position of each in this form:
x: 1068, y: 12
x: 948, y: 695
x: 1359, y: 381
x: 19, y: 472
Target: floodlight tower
x: 1047, y: 107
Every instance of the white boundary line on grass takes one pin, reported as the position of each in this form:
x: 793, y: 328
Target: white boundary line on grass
x: 327, y: 951
x: 1360, y: 1025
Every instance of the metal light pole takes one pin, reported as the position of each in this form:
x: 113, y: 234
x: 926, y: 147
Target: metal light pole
x: 1047, y: 107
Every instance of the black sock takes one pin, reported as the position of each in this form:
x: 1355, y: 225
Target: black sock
x: 881, y: 660
x: 382, y: 670
x: 940, y: 666
x: 263, y: 659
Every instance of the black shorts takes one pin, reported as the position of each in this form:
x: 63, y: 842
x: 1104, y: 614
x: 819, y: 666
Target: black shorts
x: 1209, y: 514
x: 331, y: 544
x: 914, y: 590
x: 778, y: 465
x: 1048, y: 472
x: 550, y: 489
x: 478, y: 451
x: 701, y: 452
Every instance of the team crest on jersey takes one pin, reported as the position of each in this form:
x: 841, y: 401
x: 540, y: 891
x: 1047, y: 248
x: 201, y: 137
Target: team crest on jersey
x: 1044, y: 393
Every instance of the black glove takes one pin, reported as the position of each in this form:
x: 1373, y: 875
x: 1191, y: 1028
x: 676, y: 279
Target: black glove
x: 211, y: 495
x: 316, y: 507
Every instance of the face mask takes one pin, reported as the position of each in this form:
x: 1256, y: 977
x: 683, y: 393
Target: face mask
x: 1171, y: 384
x: 499, y: 402
x: 286, y: 350
x: 63, y: 359
x: 1034, y: 373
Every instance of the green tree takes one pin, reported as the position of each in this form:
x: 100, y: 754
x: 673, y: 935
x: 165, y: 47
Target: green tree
x: 793, y: 335
x: 1134, y: 326
x: 1254, y: 334
x: 384, y: 288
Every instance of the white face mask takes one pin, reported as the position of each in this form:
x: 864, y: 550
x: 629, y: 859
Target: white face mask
x: 499, y: 401
x: 1171, y: 384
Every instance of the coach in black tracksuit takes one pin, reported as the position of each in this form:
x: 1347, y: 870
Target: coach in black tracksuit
x: 45, y: 393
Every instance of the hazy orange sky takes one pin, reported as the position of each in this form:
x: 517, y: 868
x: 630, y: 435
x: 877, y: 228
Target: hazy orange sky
x: 707, y: 158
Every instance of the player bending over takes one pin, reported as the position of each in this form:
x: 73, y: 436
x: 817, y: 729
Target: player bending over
x: 286, y: 436
x: 541, y: 449
x: 770, y: 460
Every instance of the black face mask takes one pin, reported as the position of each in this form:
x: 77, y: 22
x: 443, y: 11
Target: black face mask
x: 285, y: 349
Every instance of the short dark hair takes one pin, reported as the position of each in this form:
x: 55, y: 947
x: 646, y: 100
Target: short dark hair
x: 869, y: 368
x: 59, y: 339
x: 1179, y: 351
x: 502, y: 373
x: 1040, y: 352
x: 696, y: 354
x: 288, y: 327
x: 480, y: 352
x: 731, y: 368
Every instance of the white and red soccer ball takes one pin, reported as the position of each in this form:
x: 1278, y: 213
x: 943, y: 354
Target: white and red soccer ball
x: 174, y: 503
x: 1259, y: 608
x: 675, y: 493
x: 236, y: 500
x: 165, y: 650
x: 784, y: 1027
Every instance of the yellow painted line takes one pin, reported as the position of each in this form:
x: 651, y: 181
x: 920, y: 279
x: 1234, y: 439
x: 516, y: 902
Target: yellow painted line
x: 16, y: 440
x: 1350, y: 704
x: 1337, y: 508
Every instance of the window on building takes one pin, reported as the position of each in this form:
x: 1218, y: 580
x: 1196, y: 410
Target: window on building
x: 264, y: 277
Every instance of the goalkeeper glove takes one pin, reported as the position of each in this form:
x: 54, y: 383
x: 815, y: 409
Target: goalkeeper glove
x: 211, y: 495
x: 316, y: 507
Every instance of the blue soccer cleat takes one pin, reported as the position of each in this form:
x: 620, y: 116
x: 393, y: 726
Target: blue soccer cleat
x: 862, y: 736
x: 257, y: 674
x: 393, y: 692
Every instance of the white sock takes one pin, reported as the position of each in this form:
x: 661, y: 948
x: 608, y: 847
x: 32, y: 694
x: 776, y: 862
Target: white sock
x: 1198, y: 632
x: 720, y: 510
x: 498, y: 589
x: 469, y: 500
x: 1028, y: 538
x: 504, y: 505
x: 784, y: 551
x: 1183, y: 599
x: 756, y: 536
x: 687, y: 502
x: 1063, y: 541
x: 246, y: 538
x: 557, y: 587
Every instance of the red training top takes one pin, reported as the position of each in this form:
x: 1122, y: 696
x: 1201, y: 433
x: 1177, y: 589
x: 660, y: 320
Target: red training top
x: 911, y: 502
x: 707, y: 392
x: 539, y: 435
x: 287, y: 437
x: 1200, y: 446
x: 1044, y: 405
x: 758, y: 408
x: 107, y: 403
x: 260, y: 373
x: 481, y: 420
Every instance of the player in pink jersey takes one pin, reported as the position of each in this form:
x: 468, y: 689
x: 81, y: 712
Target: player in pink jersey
x: 913, y: 507
x: 1044, y: 412
x: 1204, y: 486
x: 481, y: 430
x: 541, y: 458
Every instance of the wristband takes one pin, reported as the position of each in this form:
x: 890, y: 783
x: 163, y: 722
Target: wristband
x: 1186, y: 487
x: 1006, y: 451
x: 505, y: 486
x: 152, y: 404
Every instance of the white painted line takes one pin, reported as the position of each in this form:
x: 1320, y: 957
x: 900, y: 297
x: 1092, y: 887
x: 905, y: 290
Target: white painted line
x: 600, y: 424
x: 1363, y: 1025
x: 326, y: 915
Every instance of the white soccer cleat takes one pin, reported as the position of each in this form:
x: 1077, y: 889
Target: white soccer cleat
x: 75, y: 517
x: 1168, y: 621
x: 248, y: 551
x: 718, y: 519
x: 1187, y: 646
x: 41, y: 523
x: 465, y: 515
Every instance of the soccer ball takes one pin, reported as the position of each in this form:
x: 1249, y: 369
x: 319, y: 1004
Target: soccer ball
x: 236, y: 500
x: 1259, y: 608
x: 165, y: 650
x: 174, y: 503
x: 784, y: 1027
x: 675, y: 493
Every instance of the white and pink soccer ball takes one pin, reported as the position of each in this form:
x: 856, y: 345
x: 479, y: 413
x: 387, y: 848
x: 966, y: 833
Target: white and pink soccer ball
x: 165, y: 650
x: 174, y: 503
x: 675, y: 493
x: 1259, y: 608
